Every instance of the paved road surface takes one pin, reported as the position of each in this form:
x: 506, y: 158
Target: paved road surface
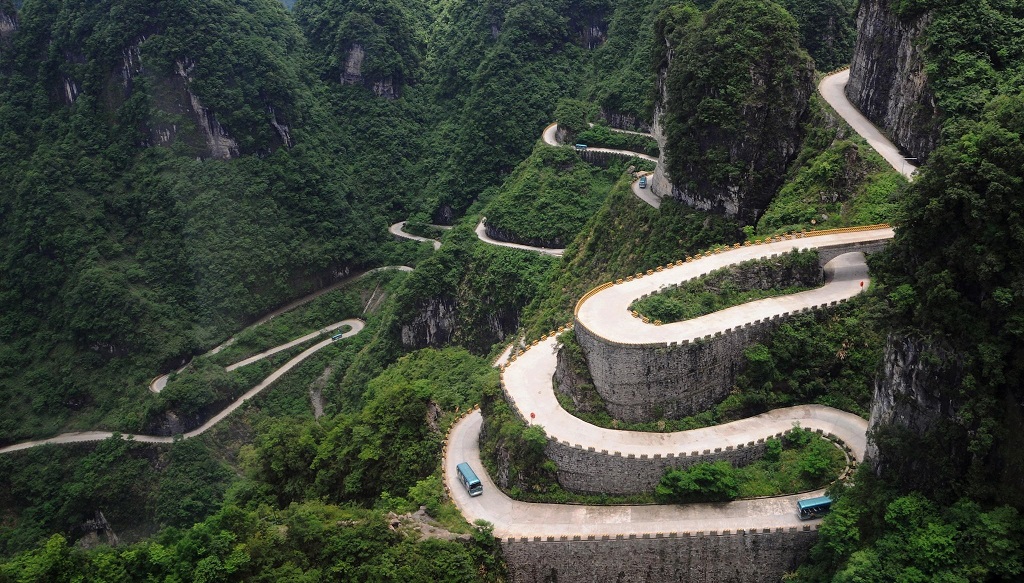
x: 643, y: 194
x: 513, y: 518
x: 78, y: 437
x: 646, y: 194
x: 606, y: 314
x: 551, y: 130
x: 528, y: 384
x: 833, y: 89
x: 481, y: 233
x: 159, y: 383
x: 286, y: 345
x: 398, y: 230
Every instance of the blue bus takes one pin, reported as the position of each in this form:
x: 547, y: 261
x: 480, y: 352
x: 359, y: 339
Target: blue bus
x: 468, y: 478
x: 337, y: 337
x: 581, y: 147
x: 813, y: 507
x: 643, y: 182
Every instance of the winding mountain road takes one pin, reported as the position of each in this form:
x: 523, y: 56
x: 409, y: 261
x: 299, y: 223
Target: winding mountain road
x: 159, y: 383
x: 550, y: 137
x: 84, y: 436
x: 528, y: 382
x: 398, y: 230
x: 833, y: 89
x: 481, y: 233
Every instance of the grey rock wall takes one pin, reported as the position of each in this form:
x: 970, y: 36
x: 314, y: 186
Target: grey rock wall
x: 727, y: 557
x: 432, y: 326
x: 8, y: 25
x: 610, y: 472
x: 888, y: 83
x: 602, y: 471
x: 352, y: 74
x: 510, y: 237
x: 644, y: 383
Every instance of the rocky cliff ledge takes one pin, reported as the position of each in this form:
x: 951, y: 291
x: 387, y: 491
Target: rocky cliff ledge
x: 735, y: 86
x: 888, y: 83
x: 914, y: 424
x: 8, y: 22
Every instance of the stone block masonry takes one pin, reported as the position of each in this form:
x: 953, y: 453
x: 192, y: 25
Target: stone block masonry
x: 609, y: 472
x: 644, y: 383
x: 713, y: 557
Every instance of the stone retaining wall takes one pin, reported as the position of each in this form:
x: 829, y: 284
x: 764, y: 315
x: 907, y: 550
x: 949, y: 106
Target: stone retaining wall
x: 728, y: 557
x: 644, y: 383
x: 609, y: 472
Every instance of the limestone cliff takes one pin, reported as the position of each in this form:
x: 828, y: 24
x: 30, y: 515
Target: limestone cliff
x: 914, y: 429
x: 432, y: 326
x: 510, y: 237
x: 219, y: 144
x: 735, y: 87
x: 887, y: 77
x: 8, y: 22
x: 442, y: 320
x: 352, y: 74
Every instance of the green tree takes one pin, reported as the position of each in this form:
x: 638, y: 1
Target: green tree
x: 701, y: 482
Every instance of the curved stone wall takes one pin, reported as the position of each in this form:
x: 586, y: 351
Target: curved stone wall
x: 745, y: 556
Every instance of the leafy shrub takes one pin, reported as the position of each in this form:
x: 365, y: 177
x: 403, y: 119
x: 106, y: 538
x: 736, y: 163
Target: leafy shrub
x: 703, y: 482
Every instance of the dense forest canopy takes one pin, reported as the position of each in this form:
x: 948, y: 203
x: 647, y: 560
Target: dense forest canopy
x: 176, y: 169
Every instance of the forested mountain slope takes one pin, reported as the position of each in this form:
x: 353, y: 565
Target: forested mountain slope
x: 172, y: 170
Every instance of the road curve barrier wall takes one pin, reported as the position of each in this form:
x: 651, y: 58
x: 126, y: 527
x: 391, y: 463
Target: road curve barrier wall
x: 745, y: 556
x: 650, y: 382
x: 646, y: 382
x: 590, y: 470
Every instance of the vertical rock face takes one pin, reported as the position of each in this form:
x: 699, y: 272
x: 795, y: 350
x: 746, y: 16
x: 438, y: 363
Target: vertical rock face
x: 734, y: 87
x: 913, y: 427
x: 888, y: 83
x: 352, y: 74
x: 8, y: 24
x: 220, y: 145
x: 736, y: 557
x: 432, y: 326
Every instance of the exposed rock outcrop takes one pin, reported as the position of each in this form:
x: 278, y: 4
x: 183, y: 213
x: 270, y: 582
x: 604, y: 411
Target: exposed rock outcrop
x: 470, y: 321
x: 432, y: 326
x: 352, y: 74
x: 220, y: 145
x: 624, y: 121
x: 510, y: 237
x: 8, y: 24
x: 573, y: 380
x: 914, y: 426
x: 731, y: 112
x: 888, y: 83
x: 71, y: 89
x: 131, y: 65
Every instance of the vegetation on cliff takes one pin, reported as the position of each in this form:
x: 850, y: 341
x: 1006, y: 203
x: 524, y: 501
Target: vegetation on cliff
x: 837, y: 180
x: 954, y: 278
x: 789, y: 273
x: 130, y: 245
x: 549, y: 197
x: 736, y: 96
x: 311, y: 541
x: 972, y: 51
x: 799, y: 462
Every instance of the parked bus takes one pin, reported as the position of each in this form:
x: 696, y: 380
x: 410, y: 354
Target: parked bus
x: 468, y: 478
x: 814, y: 507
